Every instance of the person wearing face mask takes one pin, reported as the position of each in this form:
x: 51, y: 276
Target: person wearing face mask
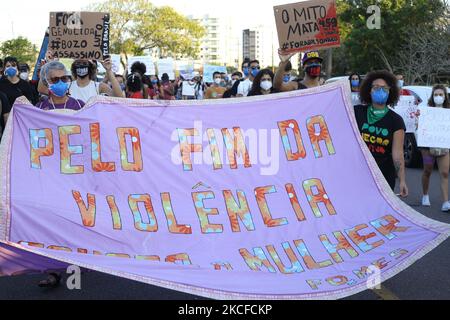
x: 400, y: 84
x: 382, y: 129
x: 439, y: 99
x: 235, y: 80
x: 250, y: 73
x: 154, y: 88
x: 13, y: 86
x: 312, y: 65
x: 263, y: 84
x: 287, y: 72
x: 355, y: 81
x: 167, y: 89
x: 54, y: 77
x: 84, y: 85
x: 216, y: 91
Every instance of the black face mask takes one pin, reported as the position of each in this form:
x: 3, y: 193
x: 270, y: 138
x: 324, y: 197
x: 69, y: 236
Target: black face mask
x: 82, y: 71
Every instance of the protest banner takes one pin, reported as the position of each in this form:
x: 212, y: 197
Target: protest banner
x: 407, y: 109
x: 434, y: 128
x: 147, y: 60
x: 79, y: 35
x: 307, y: 25
x: 166, y: 66
x: 252, y: 198
x: 208, y: 71
x: 41, y: 57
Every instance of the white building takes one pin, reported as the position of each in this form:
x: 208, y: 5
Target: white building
x: 221, y: 42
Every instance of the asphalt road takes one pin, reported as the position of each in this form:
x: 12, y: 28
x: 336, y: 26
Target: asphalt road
x: 428, y: 278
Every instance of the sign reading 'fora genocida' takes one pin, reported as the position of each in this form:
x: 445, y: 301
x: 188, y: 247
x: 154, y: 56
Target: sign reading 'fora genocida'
x: 307, y: 25
x: 79, y: 35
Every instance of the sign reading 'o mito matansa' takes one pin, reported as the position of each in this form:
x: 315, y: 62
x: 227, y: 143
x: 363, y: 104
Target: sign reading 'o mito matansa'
x: 307, y: 25
x: 79, y: 35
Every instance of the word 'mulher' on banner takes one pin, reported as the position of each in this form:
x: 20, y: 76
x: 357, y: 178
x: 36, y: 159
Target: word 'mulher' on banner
x: 79, y: 35
x: 307, y: 25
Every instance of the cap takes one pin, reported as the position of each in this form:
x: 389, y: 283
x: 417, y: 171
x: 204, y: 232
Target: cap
x: 311, y: 55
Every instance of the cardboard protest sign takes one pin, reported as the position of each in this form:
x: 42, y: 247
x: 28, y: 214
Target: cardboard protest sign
x: 434, y: 126
x: 307, y: 25
x: 147, y: 60
x: 79, y: 35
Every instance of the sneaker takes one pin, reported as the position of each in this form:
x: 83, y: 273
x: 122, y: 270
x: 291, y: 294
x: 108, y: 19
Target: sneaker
x: 426, y: 201
x: 446, y: 206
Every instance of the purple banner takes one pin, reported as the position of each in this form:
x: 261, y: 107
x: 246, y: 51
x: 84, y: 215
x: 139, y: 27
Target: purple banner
x: 262, y: 198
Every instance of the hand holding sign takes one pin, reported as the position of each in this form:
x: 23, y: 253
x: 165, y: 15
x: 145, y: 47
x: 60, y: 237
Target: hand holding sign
x: 107, y: 63
x: 307, y: 25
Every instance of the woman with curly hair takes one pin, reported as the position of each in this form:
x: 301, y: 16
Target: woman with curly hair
x: 382, y: 129
x: 439, y: 99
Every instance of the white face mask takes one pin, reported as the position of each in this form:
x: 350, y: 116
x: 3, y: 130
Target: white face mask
x: 438, y: 100
x: 217, y: 81
x: 266, y: 85
x: 24, y: 76
x: 400, y: 83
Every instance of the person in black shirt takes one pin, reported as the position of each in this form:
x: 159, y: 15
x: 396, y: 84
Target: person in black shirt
x: 382, y: 129
x: 12, y: 86
x: 5, y: 108
x: 312, y: 65
x: 235, y: 81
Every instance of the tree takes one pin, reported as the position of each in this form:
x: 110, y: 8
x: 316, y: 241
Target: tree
x: 21, y: 48
x: 426, y: 55
x: 367, y: 49
x: 138, y: 25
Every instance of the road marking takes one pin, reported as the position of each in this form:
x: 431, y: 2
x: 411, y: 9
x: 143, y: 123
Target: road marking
x: 385, y: 294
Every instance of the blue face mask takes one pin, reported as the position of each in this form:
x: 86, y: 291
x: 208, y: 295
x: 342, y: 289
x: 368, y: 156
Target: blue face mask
x: 154, y: 82
x: 255, y: 72
x: 355, y: 83
x: 59, y: 89
x: 286, y: 79
x: 122, y: 87
x: 11, y: 72
x: 245, y: 71
x: 380, y: 96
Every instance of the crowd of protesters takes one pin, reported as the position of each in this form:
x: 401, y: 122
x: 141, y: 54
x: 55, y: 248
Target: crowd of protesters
x: 373, y: 96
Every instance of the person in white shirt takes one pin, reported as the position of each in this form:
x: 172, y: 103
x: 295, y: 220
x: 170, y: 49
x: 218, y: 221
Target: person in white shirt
x: 84, y: 87
x: 250, y: 71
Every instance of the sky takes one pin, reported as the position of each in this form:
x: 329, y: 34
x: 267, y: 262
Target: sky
x: 29, y: 18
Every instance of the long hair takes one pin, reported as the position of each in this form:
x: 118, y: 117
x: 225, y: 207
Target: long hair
x: 446, y: 101
x: 366, y: 87
x: 256, y: 87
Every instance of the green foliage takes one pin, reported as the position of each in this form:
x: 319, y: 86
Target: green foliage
x: 21, y: 48
x: 364, y: 49
x: 138, y: 25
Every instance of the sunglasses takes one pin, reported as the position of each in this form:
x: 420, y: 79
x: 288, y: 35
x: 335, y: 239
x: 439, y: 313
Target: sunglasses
x: 64, y: 79
x: 256, y: 68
